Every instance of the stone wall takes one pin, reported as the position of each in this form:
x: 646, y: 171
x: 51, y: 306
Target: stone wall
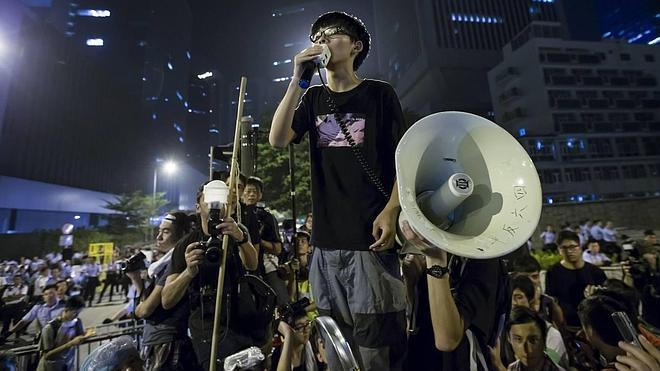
x: 628, y: 214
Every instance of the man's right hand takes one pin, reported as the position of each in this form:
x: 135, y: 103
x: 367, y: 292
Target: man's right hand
x: 304, y: 56
x: 194, y: 257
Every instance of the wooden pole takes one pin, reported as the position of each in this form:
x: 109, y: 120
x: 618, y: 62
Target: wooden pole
x: 233, y: 176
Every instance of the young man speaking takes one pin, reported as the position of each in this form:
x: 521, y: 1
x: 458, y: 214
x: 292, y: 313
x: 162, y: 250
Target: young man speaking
x: 354, y: 126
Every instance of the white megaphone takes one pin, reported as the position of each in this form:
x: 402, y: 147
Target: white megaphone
x: 467, y: 186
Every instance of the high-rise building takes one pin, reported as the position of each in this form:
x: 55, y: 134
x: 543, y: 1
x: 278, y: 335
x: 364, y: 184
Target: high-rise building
x: 92, y: 115
x: 588, y: 113
x: 438, y: 53
x: 634, y: 21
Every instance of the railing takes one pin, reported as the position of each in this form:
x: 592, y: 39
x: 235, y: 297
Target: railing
x: 26, y: 357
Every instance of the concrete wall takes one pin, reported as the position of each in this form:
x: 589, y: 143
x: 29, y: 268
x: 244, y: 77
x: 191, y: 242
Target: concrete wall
x: 635, y: 214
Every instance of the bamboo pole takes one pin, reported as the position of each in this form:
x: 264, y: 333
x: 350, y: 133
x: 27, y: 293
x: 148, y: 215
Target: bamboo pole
x: 233, y: 176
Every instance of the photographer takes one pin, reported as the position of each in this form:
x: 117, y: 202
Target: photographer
x: 194, y: 273
x: 165, y: 345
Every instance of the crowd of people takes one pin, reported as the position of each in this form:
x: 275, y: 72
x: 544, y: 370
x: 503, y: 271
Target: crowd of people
x: 395, y: 311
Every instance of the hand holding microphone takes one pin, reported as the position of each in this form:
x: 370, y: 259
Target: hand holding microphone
x: 306, y: 61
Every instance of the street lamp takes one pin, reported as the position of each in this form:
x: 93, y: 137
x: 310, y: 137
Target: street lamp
x: 169, y: 167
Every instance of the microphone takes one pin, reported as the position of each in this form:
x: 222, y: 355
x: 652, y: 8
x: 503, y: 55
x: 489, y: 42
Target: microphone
x: 308, y: 72
x: 309, y: 66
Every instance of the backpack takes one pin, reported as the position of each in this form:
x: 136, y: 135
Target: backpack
x: 56, y: 324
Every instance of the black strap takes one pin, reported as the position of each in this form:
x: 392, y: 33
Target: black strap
x: 357, y: 152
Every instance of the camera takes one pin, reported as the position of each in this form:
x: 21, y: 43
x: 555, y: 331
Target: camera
x: 289, y: 312
x: 215, y: 196
x: 212, y: 246
x: 134, y: 263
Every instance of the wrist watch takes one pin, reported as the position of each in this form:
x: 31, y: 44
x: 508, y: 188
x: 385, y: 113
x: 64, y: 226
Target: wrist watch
x: 245, y: 238
x: 437, y: 271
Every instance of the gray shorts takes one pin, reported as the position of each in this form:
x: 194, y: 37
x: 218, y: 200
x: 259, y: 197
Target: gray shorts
x: 363, y: 291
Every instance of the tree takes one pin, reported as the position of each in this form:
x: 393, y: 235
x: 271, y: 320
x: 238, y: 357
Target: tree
x: 134, y: 210
x: 273, y: 169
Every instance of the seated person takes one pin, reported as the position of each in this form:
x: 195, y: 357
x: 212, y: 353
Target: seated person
x: 593, y: 255
x: 526, y: 332
x: 295, y: 328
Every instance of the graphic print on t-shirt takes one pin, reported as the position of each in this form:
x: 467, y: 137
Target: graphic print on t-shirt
x: 330, y: 135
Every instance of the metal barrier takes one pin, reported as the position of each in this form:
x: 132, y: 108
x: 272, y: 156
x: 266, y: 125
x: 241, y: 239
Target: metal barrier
x: 27, y: 357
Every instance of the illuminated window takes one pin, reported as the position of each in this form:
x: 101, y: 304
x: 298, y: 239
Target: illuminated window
x: 472, y: 18
x: 99, y: 13
x: 277, y: 63
x: 94, y: 42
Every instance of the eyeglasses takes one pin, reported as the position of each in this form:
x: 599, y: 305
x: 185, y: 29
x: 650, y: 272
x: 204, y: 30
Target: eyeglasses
x: 302, y: 326
x: 569, y: 247
x: 328, y: 32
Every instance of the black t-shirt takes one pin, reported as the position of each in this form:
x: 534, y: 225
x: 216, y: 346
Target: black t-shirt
x: 265, y: 227
x: 475, y: 294
x: 201, y: 291
x: 268, y: 230
x: 250, y: 221
x: 344, y: 201
x: 174, y: 317
x: 567, y: 286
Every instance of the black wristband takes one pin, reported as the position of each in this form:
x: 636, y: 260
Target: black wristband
x: 246, y: 235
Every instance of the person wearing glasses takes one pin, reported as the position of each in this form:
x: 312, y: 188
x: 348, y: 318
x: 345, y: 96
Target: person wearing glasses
x: 568, y: 279
x: 354, y: 126
x: 292, y: 352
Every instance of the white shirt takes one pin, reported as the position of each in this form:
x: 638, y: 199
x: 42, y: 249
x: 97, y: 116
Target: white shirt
x: 596, y: 232
x: 609, y: 235
x: 548, y: 237
x: 39, y: 284
x: 15, y: 290
x: 595, y: 259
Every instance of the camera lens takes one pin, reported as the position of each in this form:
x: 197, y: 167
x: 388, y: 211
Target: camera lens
x: 213, y: 254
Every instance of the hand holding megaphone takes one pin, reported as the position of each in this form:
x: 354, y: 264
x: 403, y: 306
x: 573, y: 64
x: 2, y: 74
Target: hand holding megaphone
x: 466, y: 186
x: 420, y: 243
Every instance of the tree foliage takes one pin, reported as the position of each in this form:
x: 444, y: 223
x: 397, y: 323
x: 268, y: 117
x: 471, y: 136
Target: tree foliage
x: 134, y: 210
x: 273, y: 169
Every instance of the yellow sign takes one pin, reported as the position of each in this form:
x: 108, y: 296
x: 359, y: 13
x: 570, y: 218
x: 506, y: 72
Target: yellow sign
x: 102, y: 252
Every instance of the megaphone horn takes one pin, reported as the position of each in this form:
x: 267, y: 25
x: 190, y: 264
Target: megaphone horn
x: 467, y: 186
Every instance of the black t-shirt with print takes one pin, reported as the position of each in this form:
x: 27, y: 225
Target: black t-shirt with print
x: 344, y: 201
